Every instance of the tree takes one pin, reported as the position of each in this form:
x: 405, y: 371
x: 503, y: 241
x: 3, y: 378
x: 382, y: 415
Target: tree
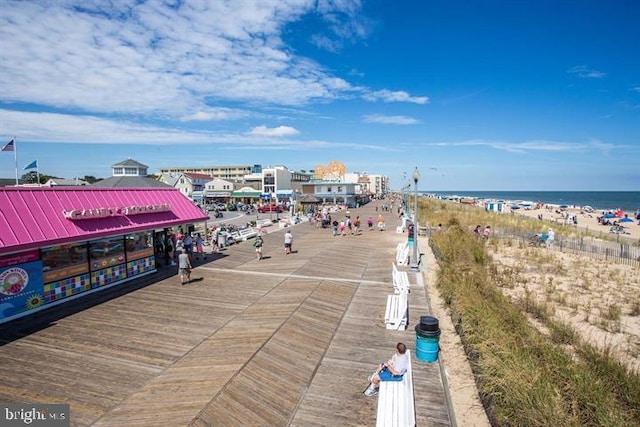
x: 90, y: 179
x: 31, y: 177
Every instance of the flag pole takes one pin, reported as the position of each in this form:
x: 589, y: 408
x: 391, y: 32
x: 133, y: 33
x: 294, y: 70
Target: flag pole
x: 15, y: 157
x: 38, y: 172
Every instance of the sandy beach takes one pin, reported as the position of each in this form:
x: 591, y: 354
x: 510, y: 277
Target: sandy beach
x: 587, y: 221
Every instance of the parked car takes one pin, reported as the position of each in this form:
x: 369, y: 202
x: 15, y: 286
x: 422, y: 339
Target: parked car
x: 270, y: 208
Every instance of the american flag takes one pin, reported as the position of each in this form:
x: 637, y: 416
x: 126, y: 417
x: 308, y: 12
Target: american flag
x: 9, y: 146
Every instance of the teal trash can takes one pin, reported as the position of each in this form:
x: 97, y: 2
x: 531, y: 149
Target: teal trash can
x: 427, y: 339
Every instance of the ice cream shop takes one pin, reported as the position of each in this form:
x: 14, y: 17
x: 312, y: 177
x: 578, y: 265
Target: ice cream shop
x: 61, y: 243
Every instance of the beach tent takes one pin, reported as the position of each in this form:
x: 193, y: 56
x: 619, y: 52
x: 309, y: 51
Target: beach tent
x: 626, y: 219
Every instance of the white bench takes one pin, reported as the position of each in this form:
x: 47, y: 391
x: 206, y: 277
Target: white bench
x: 396, y: 312
x: 402, y: 254
x: 400, y: 280
x: 264, y: 223
x: 246, y: 233
x: 396, y: 406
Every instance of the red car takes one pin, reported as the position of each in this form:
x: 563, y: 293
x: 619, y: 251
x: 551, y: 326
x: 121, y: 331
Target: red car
x: 270, y: 208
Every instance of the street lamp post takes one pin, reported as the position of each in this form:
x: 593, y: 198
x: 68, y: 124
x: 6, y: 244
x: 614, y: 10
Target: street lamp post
x: 414, y: 259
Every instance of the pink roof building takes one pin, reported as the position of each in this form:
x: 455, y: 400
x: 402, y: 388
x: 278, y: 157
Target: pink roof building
x: 37, y: 217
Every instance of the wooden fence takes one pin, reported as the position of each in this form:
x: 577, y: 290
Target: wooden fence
x: 618, y: 252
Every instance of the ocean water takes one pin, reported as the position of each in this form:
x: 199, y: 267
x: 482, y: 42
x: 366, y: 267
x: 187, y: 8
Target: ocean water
x: 628, y: 201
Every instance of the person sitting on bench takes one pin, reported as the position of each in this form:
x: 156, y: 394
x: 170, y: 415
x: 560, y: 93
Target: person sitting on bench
x: 391, y: 370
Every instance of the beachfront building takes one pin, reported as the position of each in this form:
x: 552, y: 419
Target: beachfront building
x: 334, y: 192
x: 129, y: 174
x: 61, y: 243
x: 217, y: 190
x: 61, y: 182
x: 189, y: 184
x: 229, y: 172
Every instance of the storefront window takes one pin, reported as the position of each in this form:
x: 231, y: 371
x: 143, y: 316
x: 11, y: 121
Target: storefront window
x: 139, y: 245
x: 106, y: 252
x: 59, y: 262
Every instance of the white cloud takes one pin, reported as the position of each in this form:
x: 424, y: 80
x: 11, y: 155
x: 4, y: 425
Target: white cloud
x: 278, y: 132
x: 215, y: 114
x: 394, y: 120
x: 185, y: 60
x: 535, y: 145
x: 585, y: 72
x: 397, y: 96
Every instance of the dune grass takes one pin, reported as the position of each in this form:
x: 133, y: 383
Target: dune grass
x: 526, y: 375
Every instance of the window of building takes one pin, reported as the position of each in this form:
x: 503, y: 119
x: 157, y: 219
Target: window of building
x: 339, y: 189
x: 59, y: 262
x: 328, y: 189
x: 106, y: 252
x: 139, y: 245
x: 131, y: 171
x: 118, y: 171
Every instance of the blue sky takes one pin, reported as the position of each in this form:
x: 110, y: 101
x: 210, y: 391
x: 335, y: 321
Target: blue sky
x: 479, y: 95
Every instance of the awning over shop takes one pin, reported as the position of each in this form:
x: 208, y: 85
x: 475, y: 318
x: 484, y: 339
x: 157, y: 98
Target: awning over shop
x: 34, y: 217
x: 246, y: 192
x: 218, y: 194
x: 285, y: 193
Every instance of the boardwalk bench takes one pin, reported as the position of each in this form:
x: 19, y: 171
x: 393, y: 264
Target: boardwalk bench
x: 400, y: 280
x: 247, y: 233
x: 402, y: 254
x: 397, y: 312
x: 264, y: 223
x: 396, y: 406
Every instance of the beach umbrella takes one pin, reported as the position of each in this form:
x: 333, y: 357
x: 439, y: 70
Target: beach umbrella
x: 626, y: 220
x: 608, y: 216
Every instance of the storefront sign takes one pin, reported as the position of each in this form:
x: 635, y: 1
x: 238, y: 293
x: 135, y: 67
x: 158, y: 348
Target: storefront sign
x: 109, y: 212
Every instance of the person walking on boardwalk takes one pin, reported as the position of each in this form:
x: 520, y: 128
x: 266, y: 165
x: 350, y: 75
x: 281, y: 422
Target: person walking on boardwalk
x: 258, y: 245
x: 184, y: 267
x: 288, y: 241
x: 200, y: 247
x: 356, y: 226
x: 391, y: 370
x: 380, y: 222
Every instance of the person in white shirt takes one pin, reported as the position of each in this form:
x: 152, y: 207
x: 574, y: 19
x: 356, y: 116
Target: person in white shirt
x: 550, y: 238
x: 391, y: 370
x: 288, y: 241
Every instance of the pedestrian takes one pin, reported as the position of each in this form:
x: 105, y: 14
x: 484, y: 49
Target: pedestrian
x: 188, y: 244
x: 288, y: 241
x: 334, y: 227
x: 184, y: 266
x: 381, y: 222
x: 487, y: 232
x: 551, y: 236
x: 214, y: 240
x: 391, y: 370
x: 356, y: 226
x: 199, y: 247
x: 258, y: 245
x: 370, y: 223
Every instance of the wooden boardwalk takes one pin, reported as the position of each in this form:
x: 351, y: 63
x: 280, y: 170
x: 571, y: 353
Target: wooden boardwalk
x: 286, y: 341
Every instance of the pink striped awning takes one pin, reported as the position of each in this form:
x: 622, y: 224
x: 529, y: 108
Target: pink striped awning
x: 41, y: 216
